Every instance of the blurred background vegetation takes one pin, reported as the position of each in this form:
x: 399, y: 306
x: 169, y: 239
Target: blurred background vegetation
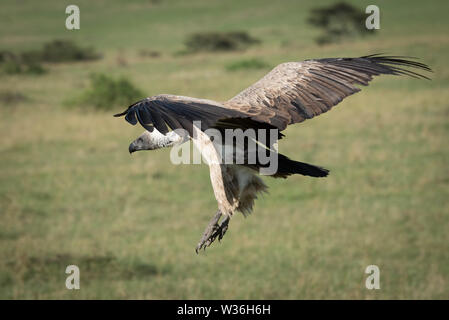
x: 71, y: 194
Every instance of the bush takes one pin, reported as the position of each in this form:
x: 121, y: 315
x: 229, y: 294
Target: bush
x: 338, y: 21
x: 247, y: 64
x: 65, y: 51
x: 54, y: 51
x: 34, y: 68
x: 216, y: 41
x: 11, y: 97
x: 11, y: 67
x: 6, y: 56
x: 149, y: 53
x: 107, y: 93
x: 11, y: 63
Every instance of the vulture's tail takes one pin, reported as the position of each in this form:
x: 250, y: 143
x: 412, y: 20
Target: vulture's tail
x: 287, y: 167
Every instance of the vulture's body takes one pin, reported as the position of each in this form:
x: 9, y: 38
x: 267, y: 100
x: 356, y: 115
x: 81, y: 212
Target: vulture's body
x: 291, y: 93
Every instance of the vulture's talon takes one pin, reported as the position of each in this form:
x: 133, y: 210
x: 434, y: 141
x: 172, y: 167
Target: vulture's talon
x: 213, y: 230
x: 223, y: 228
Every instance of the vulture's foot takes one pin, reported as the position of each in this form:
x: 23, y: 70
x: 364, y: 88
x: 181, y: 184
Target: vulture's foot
x: 213, y: 230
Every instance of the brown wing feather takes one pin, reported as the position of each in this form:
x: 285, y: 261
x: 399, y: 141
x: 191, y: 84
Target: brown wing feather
x: 163, y: 111
x: 295, y: 91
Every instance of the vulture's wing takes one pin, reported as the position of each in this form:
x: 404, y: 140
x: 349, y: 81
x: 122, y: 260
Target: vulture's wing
x: 295, y: 91
x: 163, y: 111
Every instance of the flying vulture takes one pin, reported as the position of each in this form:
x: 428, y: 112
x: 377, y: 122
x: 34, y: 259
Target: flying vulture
x: 291, y: 93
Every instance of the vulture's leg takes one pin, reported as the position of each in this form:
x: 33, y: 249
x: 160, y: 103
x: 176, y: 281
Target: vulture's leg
x: 213, y: 230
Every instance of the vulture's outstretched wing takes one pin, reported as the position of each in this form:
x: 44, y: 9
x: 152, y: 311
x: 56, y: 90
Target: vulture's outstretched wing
x: 295, y: 91
x: 163, y: 111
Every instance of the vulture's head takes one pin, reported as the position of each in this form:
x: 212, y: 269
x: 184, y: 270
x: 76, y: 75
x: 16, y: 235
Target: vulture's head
x: 155, y: 140
x: 144, y: 142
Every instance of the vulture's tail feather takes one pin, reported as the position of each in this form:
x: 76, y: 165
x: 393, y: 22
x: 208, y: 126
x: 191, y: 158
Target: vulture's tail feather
x: 287, y: 167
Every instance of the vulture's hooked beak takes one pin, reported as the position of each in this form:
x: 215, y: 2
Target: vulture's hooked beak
x: 141, y: 143
x: 132, y: 148
x: 135, y: 146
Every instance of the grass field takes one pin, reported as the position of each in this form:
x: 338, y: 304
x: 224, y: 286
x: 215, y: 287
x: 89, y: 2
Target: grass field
x: 71, y: 194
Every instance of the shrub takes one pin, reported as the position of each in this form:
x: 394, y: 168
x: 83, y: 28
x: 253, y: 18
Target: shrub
x: 149, y: 53
x: 219, y: 41
x: 11, y: 63
x: 11, y: 97
x: 338, y: 21
x: 59, y: 51
x: 247, y: 64
x: 65, y: 51
x: 106, y: 93
x: 30, y: 57
x: 34, y: 68
x: 11, y: 67
x: 6, y: 56
x: 54, y: 51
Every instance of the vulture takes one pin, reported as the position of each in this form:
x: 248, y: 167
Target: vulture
x: 290, y: 93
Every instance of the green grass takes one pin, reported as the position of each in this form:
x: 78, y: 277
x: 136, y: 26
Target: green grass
x: 247, y: 64
x: 106, y: 93
x: 71, y: 194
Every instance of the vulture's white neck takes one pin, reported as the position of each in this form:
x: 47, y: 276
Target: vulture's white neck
x: 158, y: 140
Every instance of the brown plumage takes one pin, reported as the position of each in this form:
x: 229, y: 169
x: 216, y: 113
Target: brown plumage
x: 295, y: 91
x: 291, y: 93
